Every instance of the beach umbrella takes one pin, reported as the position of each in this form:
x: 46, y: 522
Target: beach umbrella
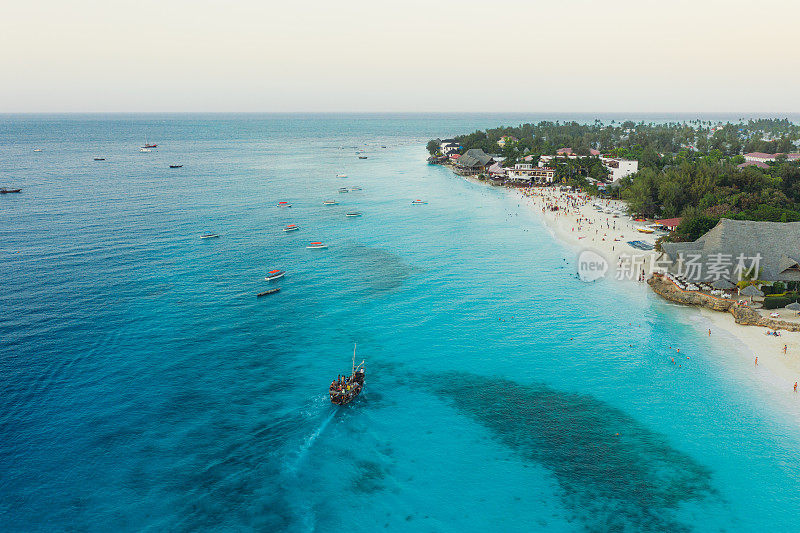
x: 723, y: 284
x: 794, y: 306
x: 751, y: 291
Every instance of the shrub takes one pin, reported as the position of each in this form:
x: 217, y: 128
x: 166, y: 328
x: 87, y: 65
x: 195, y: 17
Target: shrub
x: 776, y: 302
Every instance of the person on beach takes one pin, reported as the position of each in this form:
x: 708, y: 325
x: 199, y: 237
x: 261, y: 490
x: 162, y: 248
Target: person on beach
x: 756, y: 363
x: 709, y: 332
x: 784, y: 349
x: 795, y: 386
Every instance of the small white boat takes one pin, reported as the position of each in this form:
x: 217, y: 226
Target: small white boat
x: 284, y: 204
x: 316, y: 246
x: 353, y: 214
x: 419, y: 202
x: 37, y: 149
x: 209, y: 236
x: 341, y: 175
x: 275, y: 274
x: 344, y: 189
x: 330, y: 202
x: 291, y: 227
x: 145, y: 150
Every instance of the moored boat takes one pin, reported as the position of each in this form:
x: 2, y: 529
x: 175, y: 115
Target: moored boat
x: 645, y: 230
x: 344, y: 389
x: 316, y: 245
x: 330, y: 202
x: 209, y: 236
x: 291, y: 227
x: 344, y: 189
x: 275, y: 274
x: 270, y: 291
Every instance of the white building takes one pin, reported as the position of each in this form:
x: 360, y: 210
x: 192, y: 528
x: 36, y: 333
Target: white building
x: 529, y: 172
x: 619, y: 168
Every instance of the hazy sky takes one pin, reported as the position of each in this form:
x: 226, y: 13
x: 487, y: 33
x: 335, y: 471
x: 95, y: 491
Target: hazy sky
x: 409, y: 55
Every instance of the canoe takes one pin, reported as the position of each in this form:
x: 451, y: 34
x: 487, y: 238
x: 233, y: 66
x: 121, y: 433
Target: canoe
x: 270, y: 291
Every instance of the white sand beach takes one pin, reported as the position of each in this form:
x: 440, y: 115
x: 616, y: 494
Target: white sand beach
x: 578, y: 223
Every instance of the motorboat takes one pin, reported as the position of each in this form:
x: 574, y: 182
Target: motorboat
x: 291, y: 227
x: 316, y: 246
x: 272, y: 275
x: 419, y: 202
x: 37, y: 149
x: 344, y: 189
x: 341, y: 175
x: 5, y: 190
x: 99, y: 158
x: 353, y: 214
x: 362, y: 157
x: 330, y: 202
x: 145, y: 150
x: 176, y: 166
x: 355, y: 188
x: 284, y: 204
x: 209, y: 236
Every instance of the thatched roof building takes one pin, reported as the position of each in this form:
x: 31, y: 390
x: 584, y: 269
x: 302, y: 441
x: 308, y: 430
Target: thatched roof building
x: 777, y: 243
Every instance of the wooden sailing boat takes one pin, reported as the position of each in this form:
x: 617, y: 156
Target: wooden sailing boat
x: 344, y: 389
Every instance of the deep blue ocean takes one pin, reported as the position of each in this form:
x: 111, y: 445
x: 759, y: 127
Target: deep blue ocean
x: 144, y: 387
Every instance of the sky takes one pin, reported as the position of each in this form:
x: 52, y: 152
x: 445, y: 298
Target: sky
x: 409, y: 55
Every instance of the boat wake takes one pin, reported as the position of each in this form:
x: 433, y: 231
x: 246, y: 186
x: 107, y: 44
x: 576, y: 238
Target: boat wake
x: 308, y: 442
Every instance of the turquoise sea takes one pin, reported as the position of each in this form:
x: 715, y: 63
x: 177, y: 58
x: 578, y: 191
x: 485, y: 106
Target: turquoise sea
x: 144, y: 387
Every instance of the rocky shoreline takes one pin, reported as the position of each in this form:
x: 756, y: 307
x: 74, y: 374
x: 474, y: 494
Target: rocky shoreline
x: 742, y: 314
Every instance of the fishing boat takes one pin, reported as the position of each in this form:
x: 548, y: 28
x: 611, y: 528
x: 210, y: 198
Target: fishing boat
x: 209, y: 236
x: 418, y: 202
x: 645, y: 230
x: 344, y: 389
x: 7, y: 191
x: 330, y: 202
x: 344, y: 189
x: 176, y: 166
x: 291, y: 227
x: 316, y: 246
x: 148, y: 145
x: 284, y: 204
x: 353, y: 214
x: 270, y: 291
x: 341, y: 175
x: 99, y: 158
x: 272, y: 275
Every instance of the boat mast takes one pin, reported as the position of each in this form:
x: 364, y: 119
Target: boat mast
x: 354, y: 358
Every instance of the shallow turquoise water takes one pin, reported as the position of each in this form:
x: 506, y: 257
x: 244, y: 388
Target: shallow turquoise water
x: 145, y: 387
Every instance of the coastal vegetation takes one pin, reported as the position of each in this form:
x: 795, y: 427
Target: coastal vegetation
x: 686, y: 169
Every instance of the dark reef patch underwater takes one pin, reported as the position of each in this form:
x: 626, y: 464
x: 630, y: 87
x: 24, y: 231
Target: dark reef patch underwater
x: 614, y: 473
